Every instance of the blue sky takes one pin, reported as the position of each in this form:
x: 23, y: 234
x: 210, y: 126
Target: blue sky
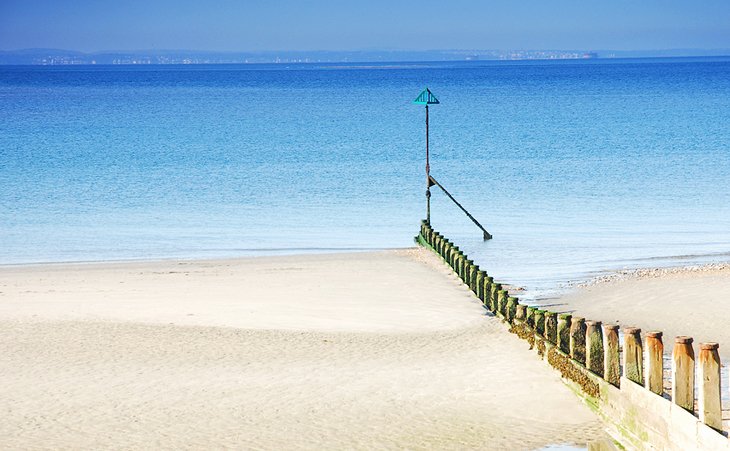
x: 228, y: 25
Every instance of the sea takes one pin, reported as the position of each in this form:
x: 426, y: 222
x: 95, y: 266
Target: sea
x: 576, y: 167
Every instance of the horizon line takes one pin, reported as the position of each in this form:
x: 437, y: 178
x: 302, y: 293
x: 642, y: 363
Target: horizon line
x: 375, y: 50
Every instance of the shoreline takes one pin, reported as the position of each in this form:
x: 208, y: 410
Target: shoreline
x: 691, y: 300
x: 649, y: 272
x: 259, y: 254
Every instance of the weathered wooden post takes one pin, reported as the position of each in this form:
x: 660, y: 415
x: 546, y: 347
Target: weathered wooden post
x: 633, y: 355
x: 540, y: 322
x: 469, y: 270
x: 551, y: 327
x: 501, y: 302
x: 594, y: 347
x: 683, y: 373
x: 655, y: 362
x: 578, y: 339
x: 480, y: 285
x: 488, y: 281
x: 709, y: 401
x: 473, y: 278
x: 511, y: 310
x: 520, y: 314
x: 611, y: 356
x: 530, y: 317
x: 496, y: 288
x: 454, y: 254
x: 564, y: 332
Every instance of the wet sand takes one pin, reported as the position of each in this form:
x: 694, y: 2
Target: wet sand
x: 366, y: 350
x: 692, y: 301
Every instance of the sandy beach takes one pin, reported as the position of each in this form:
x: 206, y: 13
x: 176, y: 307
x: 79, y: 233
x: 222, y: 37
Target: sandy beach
x: 693, y: 301
x: 365, y: 350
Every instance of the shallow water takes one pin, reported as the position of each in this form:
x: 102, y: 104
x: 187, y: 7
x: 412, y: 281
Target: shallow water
x: 575, y: 167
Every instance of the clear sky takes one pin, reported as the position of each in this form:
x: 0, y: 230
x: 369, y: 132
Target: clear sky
x: 244, y: 25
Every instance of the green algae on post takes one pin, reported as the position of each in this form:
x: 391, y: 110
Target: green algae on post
x: 633, y: 355
x: 551, y: 327
x: 578, y: 339
x: 540, y: 322
x: 564, y: 332
x: 511, y: 308
x: 594, y: 347
x: 611, y: 356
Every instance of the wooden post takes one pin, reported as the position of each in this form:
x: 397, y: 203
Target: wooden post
x: 487, y: 291
x: 501, y: 302
x: 578, y: 339
x: 467, y: 273
x: 633, y: 355
x: 481, y: 275
x: 611, y: 356
x: 564, y: 332
x: 520, y: 314
x: 473, y: 278
x: 530, y: 318
x: 709, y: 400
x: 511, y: 310
x: 655, y: 362
x: 683, y: 373
x: 594, y: 347
x: 551, y: 327
x: 540, y: 322
x: 496, y: 288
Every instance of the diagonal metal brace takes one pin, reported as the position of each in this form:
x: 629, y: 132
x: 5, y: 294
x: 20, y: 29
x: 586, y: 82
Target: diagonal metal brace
x: 432, y: 181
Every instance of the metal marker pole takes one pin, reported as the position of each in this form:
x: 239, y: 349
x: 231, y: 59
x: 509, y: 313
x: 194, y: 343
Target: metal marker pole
x: 428, y: 176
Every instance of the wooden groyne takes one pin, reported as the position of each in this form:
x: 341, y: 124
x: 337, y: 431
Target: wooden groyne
x: 625, y: 384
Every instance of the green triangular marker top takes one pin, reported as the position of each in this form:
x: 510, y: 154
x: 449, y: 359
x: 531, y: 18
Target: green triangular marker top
x: 426, y: 97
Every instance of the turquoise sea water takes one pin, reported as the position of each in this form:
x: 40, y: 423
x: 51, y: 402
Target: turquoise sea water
x: 575, y: 167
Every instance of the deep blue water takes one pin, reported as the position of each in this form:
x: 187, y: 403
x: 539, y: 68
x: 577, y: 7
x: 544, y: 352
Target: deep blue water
x: 574, y: 166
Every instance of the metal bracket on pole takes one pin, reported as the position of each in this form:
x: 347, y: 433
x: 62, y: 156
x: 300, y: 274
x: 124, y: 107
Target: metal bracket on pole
x: 432, y: 182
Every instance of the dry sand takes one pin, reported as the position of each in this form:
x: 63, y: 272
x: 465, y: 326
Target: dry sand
x: 692, y: 301
x: 369, y: 350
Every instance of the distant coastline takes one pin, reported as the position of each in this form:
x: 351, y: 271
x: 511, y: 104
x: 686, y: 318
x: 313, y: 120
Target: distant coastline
x: 143, y: 57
